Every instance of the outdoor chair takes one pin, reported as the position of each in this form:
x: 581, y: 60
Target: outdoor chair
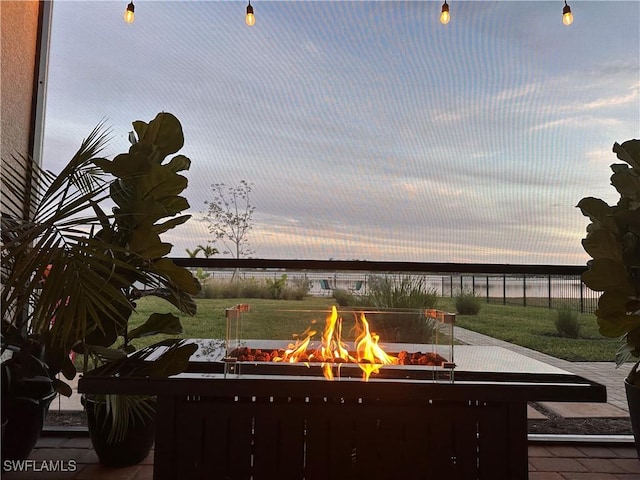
x: 326, y: 287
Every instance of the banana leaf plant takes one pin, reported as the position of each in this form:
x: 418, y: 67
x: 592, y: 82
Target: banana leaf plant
x: 613, y: 242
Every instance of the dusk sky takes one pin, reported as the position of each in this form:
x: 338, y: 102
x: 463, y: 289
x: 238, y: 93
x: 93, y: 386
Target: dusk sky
x: 368, y: 129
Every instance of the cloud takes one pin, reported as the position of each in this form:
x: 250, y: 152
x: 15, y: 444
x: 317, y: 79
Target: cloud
x: 630, y: 98
x: 370, y: 132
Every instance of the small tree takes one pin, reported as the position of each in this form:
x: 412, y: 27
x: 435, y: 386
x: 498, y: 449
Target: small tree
x: 230, y: 217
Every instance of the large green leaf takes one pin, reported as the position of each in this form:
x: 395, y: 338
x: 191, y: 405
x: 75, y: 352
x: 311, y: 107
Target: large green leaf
x: 179, y: 163
x: 169, y: 224
x: 158, y: 323
x: 104, y: 353
x: 146, y: 243
x: 595, y: 208
x: 164, y: 132
x: 601, y: 243
x: 149, y: 210
x: 180, y: 276
x: 607, y: 274
x: 122, y: 166
x: 62, y: 387
x: 173, y: 361
x: 629, y: 152
x: 627, y: 183
x: 612, y: 304
x: 618, y: 325
x: 177, y: 297
x: 160, y: 181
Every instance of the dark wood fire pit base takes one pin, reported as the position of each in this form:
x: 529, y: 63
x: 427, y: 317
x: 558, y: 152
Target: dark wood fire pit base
x: 337, y: 438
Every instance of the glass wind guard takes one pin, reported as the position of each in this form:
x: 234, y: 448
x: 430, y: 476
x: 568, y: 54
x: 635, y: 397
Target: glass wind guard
x: 372, y: 342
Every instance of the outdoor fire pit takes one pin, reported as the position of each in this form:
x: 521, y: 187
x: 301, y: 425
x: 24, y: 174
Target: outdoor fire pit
x: 336, y: 340
x: 255, y: 408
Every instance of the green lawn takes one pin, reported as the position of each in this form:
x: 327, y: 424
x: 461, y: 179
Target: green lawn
x: 531, y: 327
x: 210, y: 321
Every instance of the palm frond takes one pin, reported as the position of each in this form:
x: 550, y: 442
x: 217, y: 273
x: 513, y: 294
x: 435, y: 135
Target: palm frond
x: 46, y: 219
x: 121, y: 412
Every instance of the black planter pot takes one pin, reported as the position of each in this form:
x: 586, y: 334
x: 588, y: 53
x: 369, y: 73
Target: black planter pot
x: 24, y: 421
x: 633, y: 399
x: 131, y: 450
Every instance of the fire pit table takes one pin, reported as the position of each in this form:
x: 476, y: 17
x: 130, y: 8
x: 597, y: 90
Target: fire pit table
x: 263, y: 420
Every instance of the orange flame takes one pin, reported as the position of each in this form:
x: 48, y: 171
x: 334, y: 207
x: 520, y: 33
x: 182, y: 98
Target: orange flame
x: 369, y: 354
x: 332, y: 348
x: 297, y: 352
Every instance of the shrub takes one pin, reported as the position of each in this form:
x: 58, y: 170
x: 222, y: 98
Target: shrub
x: 467, y: 303
x: 215, y: 288
x: 401, y: 292
x: 281, y: 288
x: 406, y: 291
x: 276, y: 286
x: 567, y: 323
x: 296, y: 289
x: 252, y: 288
x: 343, y: 297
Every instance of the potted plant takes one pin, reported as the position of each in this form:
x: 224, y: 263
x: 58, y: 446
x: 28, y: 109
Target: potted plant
x: 613, y: 242
x: 27, y: 392
x: 146, y: 193
x: 95, y: 264
x: 42, y: 214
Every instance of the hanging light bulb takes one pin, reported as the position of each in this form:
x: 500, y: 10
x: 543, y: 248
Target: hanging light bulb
x: 250, y: 19
x: 128, y: 13
x: 567, y: 16
x: 444, y: 16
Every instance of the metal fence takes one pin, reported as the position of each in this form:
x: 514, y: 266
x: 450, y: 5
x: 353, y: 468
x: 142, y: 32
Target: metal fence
x: 552, y: 291
x: 550, y: 286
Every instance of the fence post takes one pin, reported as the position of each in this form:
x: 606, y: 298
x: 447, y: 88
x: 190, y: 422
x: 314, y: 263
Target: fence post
x: 581, y: 296
x: 549, y: 288
x: 487, y: 288
x: 504, y: 288
x: 524, y: 290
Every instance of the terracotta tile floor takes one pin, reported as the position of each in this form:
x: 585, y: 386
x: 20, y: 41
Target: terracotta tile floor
x: 547, y: 461
x: 583, y: 462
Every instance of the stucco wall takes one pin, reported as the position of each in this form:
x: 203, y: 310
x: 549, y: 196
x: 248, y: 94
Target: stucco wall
x: 19, y: 39
x: 19, y: 24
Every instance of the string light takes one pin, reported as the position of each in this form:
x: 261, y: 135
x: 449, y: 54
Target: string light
x: 567, y: 16
x: 129, y: 15
x: 250, y: 19
x: 444, y: 15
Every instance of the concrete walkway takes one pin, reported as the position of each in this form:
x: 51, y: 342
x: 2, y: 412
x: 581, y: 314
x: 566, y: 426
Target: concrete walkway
x: 604, y: 373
